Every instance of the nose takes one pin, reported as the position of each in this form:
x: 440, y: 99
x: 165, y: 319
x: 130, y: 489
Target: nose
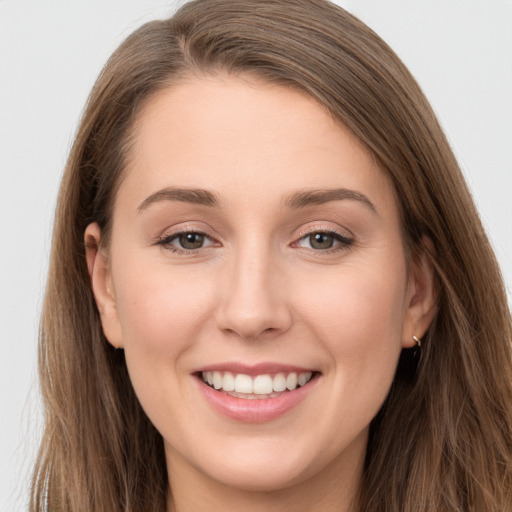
x: 253, y: 300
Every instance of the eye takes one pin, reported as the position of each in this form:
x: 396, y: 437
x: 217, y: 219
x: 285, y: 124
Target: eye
x: 191, y: 240
x: 321, y: 240
x: 186, y: 241
x: 324, y: 241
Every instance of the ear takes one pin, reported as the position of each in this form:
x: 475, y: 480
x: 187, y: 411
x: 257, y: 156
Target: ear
x: 421, y: 296
x: 102, y: 286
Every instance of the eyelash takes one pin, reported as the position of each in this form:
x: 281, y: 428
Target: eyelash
x: 344, y: 241
x: 166, y: 241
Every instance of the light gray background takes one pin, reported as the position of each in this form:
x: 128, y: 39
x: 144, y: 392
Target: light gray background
x: 50, y: 54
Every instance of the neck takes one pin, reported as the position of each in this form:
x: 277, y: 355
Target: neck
x: 333, y: 489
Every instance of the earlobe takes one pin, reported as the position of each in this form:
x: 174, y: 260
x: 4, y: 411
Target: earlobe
x: 421, y: 296
x: 101, y: 283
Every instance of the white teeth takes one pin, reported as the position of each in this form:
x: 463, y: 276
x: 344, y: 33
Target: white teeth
x: 243, y: 383
x: 279, y: 383
x: 291, y: 381
x: 228, y: 382
x: 302, y: 378
x: 217, y: 380
x: 261, y: 386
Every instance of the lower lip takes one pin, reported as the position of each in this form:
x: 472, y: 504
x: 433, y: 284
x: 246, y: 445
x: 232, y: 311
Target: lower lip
x: 257, y: 410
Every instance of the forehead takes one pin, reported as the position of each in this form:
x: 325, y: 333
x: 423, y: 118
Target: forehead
x: 233, y: 134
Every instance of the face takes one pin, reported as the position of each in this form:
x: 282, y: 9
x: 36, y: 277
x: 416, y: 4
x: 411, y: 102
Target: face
x: 256, y: 245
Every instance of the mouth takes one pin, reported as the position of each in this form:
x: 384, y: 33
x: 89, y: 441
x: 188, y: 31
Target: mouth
x: 255, y: 393
x: 256, y: 387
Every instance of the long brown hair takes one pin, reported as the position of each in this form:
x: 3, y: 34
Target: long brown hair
x: 443, y: 439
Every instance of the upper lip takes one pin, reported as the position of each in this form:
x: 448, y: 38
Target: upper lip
x: 255, y: 369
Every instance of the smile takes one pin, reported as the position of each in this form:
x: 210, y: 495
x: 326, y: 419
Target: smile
x: 240, y: 385
x: 255, y: 394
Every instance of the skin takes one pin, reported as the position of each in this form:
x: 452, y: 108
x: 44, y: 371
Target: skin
x: 257, y: 291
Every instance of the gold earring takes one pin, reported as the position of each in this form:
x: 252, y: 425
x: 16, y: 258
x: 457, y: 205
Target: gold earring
x: 417, y: 340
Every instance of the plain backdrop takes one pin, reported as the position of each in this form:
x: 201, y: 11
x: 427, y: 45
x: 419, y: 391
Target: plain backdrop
x: 50, y: 54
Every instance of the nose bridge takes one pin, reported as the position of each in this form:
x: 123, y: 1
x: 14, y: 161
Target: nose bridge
x: 253, y: 301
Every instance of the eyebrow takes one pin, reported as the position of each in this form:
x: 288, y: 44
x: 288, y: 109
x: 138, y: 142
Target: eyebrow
x: 321, y: 196
x: 184, y: 195
x: 297, y: 200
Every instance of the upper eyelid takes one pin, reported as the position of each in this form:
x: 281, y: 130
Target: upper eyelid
x: 167, y: 242
x: 344, y: 232
x: 172, y: 236
x: 186, y: 227
x: 184, y: 231
x: 343, y: 239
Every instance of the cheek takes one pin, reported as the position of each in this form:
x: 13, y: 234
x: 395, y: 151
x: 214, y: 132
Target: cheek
x: 360, y: 304
x: 359, y: 325
x: 161, y: 314
x: 357, y: 315
x: 158, y: 308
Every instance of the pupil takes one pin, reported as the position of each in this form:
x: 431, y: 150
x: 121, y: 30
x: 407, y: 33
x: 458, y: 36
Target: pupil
x: 191, y: 240
x: 321, y: 241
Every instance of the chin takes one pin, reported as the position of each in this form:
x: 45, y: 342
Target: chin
x: 257, y: 477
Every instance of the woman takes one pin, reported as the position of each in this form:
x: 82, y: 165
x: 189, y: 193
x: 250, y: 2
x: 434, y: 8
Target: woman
x: 269, y: 286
